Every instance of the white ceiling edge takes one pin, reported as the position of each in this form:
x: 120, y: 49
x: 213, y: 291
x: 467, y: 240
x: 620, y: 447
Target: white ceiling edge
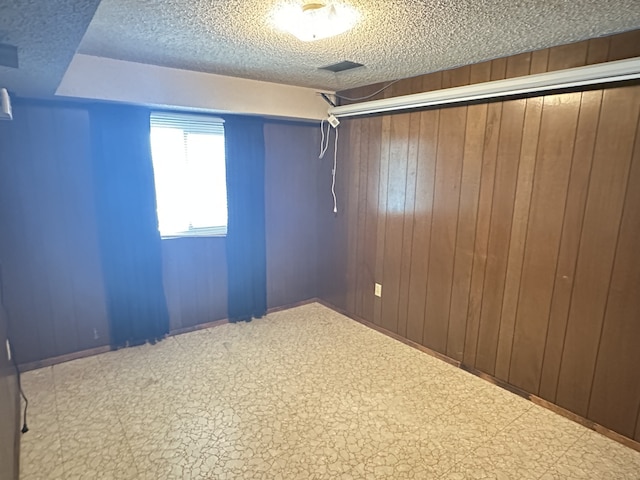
x: 101, y: 78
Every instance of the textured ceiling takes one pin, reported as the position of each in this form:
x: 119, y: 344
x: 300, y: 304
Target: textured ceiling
x: 394, y: 39
x: 47, y: 34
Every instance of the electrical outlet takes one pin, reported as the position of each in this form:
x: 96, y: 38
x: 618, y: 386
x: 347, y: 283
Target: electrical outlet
x: 95, y: 334
x: 8, y: 350
x: 378, y: 290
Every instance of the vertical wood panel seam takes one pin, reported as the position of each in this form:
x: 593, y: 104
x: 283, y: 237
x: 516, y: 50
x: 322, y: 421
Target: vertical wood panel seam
x: 378, y: 220
x: 515, y: 196
x: 475, y: 238
x: 406, y: 162
x: 378, y: 208
x: 354, y: 164
x: 362, y: 235
x: 590, y: 44
x: 433, y: 197
x: 575, y: 263
x: 415, y: 190
x: 526, y: 233
x: 386, y: 209
x: 455, y: 238
x: 366, y: 204
x: 613, y: 264
x: 484, y: 150
x: 357, y: 277
x: 562, y: 232
x: 484, y: 274
x: 354, y: 184
x: 507, y: 251
x: 564, y: 214
x: 56, y: 129
x: 404, y: 221
x: 526, y: 229
x: 45, y: 290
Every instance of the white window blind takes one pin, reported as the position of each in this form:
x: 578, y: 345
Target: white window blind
x: 189, y: 169
x: 187, y: 122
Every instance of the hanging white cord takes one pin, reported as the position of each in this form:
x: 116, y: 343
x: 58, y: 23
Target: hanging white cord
x: 324, y: 145
x: 333, y: 174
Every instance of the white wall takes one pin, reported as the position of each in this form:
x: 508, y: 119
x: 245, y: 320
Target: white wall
x: 121, y: 81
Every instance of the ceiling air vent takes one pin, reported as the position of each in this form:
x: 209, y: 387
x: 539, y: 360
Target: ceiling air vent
x: 8, y: 55
x: 342, y: 66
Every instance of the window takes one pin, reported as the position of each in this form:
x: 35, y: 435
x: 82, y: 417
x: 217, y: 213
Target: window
x: 189, y: 170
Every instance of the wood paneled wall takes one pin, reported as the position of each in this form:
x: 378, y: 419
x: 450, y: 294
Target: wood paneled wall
x: 195, y: 280
x: 49, y: 246
x: 9, y: 410
x: 52, y: 274
x: 504, y: 234
x: 291, y: 203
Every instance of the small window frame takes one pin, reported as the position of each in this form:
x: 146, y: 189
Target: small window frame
x: 190, y: 123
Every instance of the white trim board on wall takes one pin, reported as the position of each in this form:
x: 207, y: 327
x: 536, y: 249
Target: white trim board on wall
x: 601, y: 73
x: 108, y: 79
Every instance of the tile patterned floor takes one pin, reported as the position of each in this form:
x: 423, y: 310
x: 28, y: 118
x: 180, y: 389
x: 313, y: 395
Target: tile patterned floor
x: 303, y: 394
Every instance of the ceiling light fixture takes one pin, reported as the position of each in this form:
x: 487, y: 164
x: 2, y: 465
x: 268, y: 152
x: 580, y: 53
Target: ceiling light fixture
x: 315, y: 21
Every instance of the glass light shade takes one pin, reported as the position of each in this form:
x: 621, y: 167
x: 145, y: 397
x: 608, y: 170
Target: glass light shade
x: 315, y: 21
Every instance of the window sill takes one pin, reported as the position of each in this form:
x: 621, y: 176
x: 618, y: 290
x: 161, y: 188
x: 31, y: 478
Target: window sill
x: 220, y: 232
x: 208, y: 235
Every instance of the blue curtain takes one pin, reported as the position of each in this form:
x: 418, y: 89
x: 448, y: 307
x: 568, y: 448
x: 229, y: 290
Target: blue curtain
x: 128, y: 224
x: 246, y: 249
